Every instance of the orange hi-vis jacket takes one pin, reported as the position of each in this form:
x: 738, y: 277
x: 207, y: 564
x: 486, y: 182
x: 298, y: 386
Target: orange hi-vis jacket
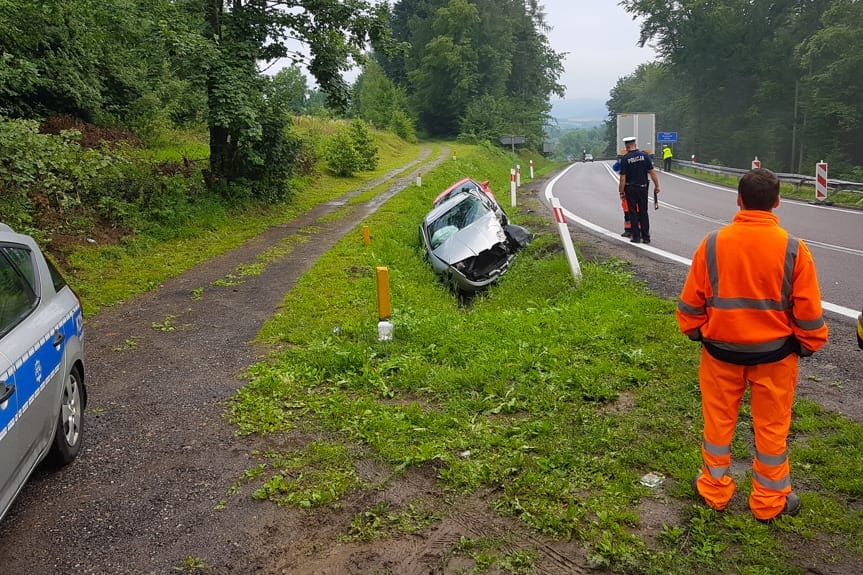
x: 752, y: 293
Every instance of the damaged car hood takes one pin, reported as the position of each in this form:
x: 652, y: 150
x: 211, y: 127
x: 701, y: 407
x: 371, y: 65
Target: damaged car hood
x: 472, y: 240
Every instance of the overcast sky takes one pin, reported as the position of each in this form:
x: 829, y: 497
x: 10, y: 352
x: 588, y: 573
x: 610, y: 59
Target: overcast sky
x: 601, y: 40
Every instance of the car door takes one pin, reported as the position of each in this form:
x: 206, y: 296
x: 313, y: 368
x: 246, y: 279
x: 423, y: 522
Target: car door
x: 36, y: 349
x: 9, y: 463
x: 17, y: 300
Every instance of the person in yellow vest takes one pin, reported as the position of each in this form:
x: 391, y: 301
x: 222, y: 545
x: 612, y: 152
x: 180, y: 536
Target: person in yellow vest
x: 666, y: 159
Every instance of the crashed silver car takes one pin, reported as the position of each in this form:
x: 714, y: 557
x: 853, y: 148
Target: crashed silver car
x: 467, y: 237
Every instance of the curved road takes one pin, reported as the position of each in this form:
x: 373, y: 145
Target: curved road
x: 690, y: 209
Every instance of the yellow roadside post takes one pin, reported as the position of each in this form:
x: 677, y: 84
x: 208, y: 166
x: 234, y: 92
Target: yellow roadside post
x: 385, y: 327
x: 367, y: 236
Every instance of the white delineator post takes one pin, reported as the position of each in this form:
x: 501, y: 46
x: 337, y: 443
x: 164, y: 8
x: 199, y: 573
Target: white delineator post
x: 517, y: 176
x: 512, y: 187
x: 756, y: 163
x: 821, y: 181
x: 566, y: 239
x: 531, y: 169
x: 420, y: 180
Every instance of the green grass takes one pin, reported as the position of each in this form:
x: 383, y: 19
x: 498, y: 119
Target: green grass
x: 555, y: 396
x: 111, y: 274
x: 382, y: 521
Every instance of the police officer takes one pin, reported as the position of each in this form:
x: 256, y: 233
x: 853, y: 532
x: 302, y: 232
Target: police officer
x: 635, y: 168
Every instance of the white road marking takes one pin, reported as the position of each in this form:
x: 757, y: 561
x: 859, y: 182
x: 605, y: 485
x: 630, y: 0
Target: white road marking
x: 549, y: 192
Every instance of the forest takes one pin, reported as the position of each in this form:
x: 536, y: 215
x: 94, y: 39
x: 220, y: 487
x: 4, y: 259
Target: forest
x: 777, y: 79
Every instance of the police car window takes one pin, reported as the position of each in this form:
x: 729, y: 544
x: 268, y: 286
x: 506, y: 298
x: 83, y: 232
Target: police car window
x: 17, y: 298
x: 22, y: 260
x: 56, y: 277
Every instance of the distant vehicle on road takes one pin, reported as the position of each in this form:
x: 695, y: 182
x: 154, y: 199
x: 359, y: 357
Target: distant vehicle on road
x: 467, y: 237
x: 588, y: 157
x: 42, y: 393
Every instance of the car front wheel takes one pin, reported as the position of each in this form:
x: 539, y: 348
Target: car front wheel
x: 70, y: 424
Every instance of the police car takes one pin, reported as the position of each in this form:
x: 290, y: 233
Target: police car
x: 42, y: 393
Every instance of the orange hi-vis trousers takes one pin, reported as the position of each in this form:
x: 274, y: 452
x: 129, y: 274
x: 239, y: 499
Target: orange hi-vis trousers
x: 771, y: 387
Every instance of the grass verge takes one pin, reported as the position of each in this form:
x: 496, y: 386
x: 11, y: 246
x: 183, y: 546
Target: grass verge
x: 556, y: 397
x: 787, y: 190
x: 110, y: 274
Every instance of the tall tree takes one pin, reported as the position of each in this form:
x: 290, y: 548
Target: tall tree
x: 243, y: 32
x: 833, y: 60
x: 476, y: 67
x: 773, y: 78
x: 447, y: 76
x: 379, y: 101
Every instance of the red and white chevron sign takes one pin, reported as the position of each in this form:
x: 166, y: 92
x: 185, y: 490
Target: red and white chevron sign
x: 820, y: 181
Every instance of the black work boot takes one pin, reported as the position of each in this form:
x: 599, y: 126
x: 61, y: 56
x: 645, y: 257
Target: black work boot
x: 793, y: 505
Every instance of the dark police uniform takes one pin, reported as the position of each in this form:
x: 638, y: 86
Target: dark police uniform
x: 636, y: 165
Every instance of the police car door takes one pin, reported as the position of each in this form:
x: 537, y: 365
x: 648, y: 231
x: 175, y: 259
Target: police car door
x: 14, y: 301
x: 37, y: 348
x: 8, y: 444
x: 33, y: 345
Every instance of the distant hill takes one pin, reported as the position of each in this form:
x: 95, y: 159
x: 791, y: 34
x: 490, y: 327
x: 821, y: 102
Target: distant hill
x: 578, y: 113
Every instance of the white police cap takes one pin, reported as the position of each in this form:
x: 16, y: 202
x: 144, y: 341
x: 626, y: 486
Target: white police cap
x: 628, y: 139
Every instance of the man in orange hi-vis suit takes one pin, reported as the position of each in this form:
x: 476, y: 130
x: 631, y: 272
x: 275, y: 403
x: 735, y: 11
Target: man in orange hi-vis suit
x: 752, y: 299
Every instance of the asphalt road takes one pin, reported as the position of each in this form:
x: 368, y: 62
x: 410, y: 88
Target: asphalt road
x: 690, y: 209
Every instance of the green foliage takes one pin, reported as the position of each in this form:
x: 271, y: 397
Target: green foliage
x: 740, y: 79
x: 475, y: 68
x: 342, y: 157
x: 351, y: 150
x: 317, y: 475
x: 380, y: 102
x: 245, y: 32
x: 573, y: 142
x: 288, y: 90
x: 383, y: 521
x: 42, y: 173
x: 364, y: 145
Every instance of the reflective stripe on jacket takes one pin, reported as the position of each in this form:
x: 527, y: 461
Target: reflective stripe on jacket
x: 752, y: 293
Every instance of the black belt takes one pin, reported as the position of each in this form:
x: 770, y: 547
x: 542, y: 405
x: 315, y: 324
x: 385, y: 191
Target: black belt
x: 636, y: 185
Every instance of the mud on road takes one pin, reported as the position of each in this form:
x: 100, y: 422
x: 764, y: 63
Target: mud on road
x: 147, y: 493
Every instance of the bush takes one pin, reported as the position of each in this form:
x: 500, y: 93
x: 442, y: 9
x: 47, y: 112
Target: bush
x: 364, y: 145
x: 52, y: 180
x: 350, y: 151
x: 403, y: 126
x: 341, y: 155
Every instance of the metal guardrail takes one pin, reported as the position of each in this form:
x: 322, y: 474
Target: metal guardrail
x: 796, y: 179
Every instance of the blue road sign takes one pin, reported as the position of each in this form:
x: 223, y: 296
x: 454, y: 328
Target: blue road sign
x: 666, y: 137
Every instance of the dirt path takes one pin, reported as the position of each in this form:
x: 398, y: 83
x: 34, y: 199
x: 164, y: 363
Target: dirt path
x: 145, y: 496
